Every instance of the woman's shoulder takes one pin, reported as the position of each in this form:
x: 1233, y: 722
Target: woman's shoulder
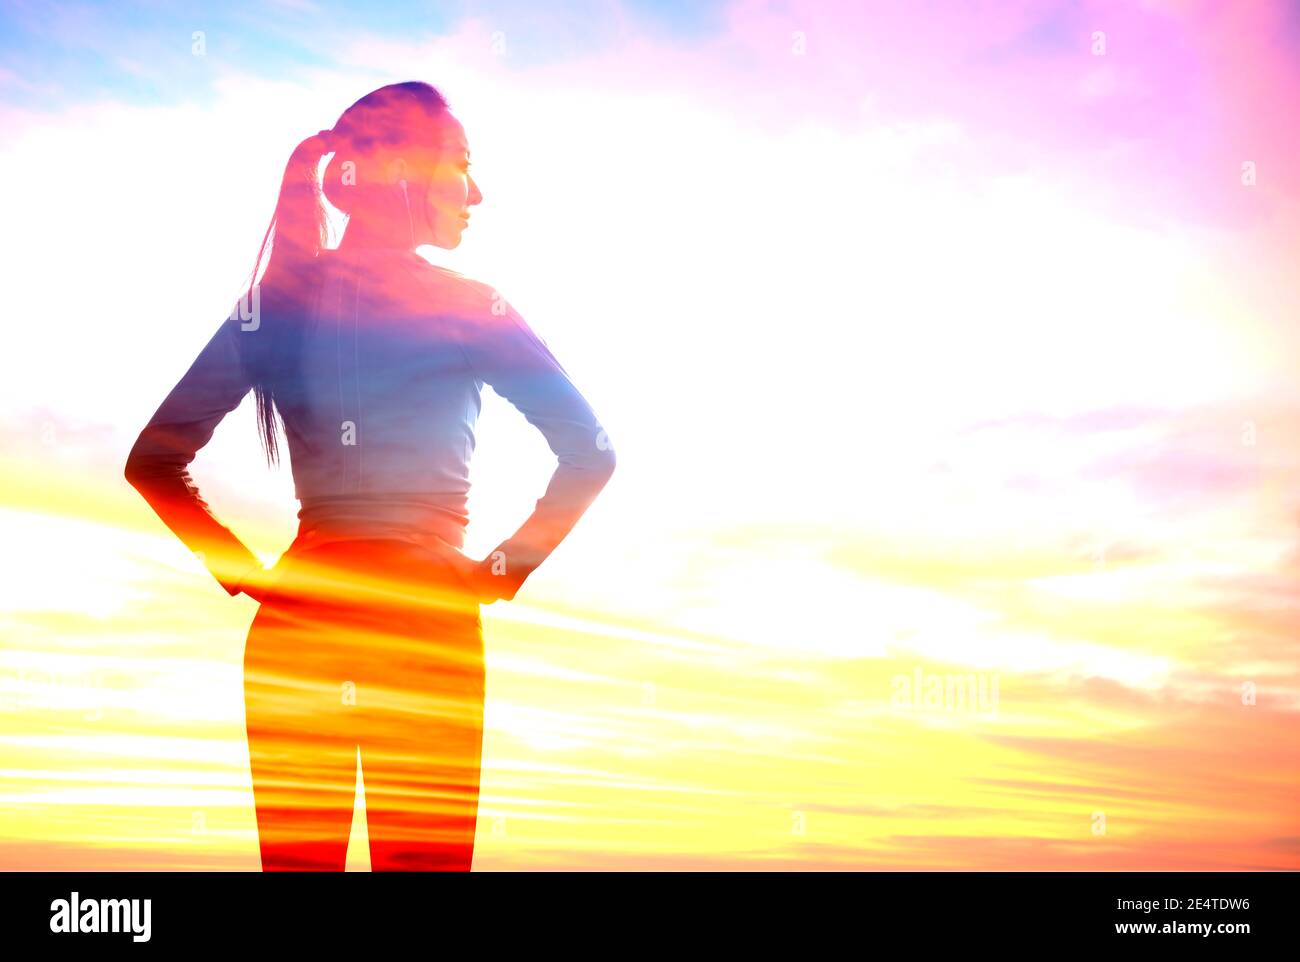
x: 449, y: 277
x: 465, y: 293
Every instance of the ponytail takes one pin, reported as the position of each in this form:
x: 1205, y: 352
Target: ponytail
x: 298, y: 231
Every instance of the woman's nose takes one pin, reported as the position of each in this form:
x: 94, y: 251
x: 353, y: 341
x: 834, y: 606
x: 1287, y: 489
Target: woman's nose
x: 475, y: 195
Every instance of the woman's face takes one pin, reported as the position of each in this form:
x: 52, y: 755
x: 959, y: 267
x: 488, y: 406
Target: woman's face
x: 451, y: 190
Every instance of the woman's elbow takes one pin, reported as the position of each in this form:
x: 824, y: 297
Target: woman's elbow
x: 604, y: 459
x: 131, y: 471
x: 139, y: 466
x: 135, y: 476
x: 603, y: 465
x: 595, y: 467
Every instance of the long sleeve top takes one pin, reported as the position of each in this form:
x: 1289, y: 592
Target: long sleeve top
x: 391, y: 360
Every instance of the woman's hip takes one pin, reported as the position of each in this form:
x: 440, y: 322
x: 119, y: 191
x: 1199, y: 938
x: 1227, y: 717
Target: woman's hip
x: 371, y: 574
x: 379, y: 604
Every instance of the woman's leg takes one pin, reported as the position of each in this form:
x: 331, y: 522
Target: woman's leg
x: 421, y: 720
x: 422, y: 787
x: 301, y: 742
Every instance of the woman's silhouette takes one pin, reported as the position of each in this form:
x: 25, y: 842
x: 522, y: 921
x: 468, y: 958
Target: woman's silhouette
x: 369, y: 635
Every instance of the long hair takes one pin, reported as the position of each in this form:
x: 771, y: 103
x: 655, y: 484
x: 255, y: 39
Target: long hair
x: 384, y: 120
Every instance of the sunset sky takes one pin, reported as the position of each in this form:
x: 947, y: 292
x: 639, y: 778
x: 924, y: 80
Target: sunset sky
x: 940, y: 342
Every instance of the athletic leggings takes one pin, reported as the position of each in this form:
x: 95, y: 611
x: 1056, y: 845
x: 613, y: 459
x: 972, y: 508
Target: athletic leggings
x: 374, y: 645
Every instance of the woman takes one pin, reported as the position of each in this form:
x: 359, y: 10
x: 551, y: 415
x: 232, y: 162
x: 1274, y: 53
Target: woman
x: 368, y: 637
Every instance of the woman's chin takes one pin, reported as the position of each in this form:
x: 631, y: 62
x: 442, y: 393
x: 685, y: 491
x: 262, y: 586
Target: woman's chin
x: 448, y: 241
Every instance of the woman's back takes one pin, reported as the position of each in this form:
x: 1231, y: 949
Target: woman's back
x: 388, y: 401
x: 382, y: 394
x: 380, y: 426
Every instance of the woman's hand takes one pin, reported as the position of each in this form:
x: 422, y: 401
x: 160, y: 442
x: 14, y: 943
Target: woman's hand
x: 258, y: 583
x: 475, y: 577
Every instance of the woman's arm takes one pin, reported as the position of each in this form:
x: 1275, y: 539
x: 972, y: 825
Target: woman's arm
x: 505, y: 353
x: 159, y: 461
